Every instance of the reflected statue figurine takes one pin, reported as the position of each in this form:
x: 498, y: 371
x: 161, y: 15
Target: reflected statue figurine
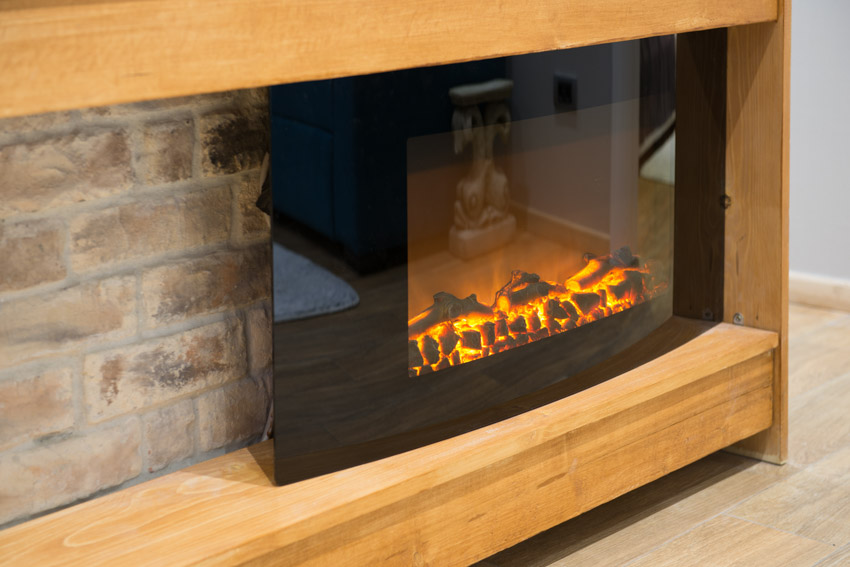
x: 482, y: 218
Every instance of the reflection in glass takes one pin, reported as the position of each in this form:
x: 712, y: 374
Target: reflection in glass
x: 501, y: 225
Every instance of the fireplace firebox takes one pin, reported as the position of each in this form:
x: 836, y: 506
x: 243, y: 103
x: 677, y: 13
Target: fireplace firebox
x: 505, y: 225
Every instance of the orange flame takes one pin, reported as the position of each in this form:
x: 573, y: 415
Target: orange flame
x: 454, y: 331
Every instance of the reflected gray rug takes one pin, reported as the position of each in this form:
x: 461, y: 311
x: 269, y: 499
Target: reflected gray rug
x: 302, y: 289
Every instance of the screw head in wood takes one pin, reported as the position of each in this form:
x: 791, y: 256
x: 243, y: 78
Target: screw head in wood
x: 738, y: 319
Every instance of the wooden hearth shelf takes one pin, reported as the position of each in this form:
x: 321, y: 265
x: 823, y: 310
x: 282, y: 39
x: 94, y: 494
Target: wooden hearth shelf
x: 449, y: 503
x: 65, y: 54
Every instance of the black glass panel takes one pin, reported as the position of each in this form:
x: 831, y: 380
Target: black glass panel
x: 450, y: 242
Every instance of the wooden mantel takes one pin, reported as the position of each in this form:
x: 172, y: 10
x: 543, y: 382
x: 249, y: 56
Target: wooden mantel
x: 64, y: 54
x: 462, y: 499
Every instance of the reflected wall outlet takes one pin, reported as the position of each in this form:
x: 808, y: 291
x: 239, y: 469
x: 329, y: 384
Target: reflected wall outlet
x: 565, y: 92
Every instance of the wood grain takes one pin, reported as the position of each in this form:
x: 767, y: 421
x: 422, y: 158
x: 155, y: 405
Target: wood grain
x: 446, y: 504
x: 756, y: 243
x: 802, y: 319
x: 814, y: 503
x: 726, y: 541
x: 60, y: 54
x: 819, y: 421
x: 840, y: 558
x: 700, y: 174
x: 614, y: 534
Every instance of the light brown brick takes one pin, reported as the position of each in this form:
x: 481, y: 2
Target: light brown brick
x: 166, y: 153
x: 242, y: 98
x: 236, y: 98
x: 260, y: 346
x: 48, y: 476
x: 58, y: 321
x: 34, y: 122
x: 213, y: 283
x: 233, y: 141
x: 169, y: 434
x: 31, y: 253
x: 134, y: 108
x: 144, y: 229
x: 251, y: 223
x: 33, y: 404
x: 130, y: 378
x: 62, y: 170
x: 233, y: 414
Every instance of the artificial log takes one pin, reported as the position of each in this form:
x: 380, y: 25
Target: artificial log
x: 521, y: 290
x: 488, y: 333
x: 446, y: 307
x: 603, y: 299
x: 598, y: 267
x: 632, y: 286
x: 448, y: 340
x: 527, y: 309
x: 555, y: 310
x: 430, y: 349
x: 471, y: 339
x: 414, y: 357
x: 624, y: 258
x: 534, y: 322
x: 518, y: 325
x: 570, y: 309
x: 590, y: 275
x: 586, y: 302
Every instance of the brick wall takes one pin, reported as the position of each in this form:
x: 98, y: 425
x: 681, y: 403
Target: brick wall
x: 134, y: 294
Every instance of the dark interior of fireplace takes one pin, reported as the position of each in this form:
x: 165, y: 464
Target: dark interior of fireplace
x: 499, y: 231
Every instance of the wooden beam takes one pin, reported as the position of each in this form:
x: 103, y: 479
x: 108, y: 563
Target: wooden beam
x: 757, y: 169
x: 450, y: 503
x: 700, y: 175
x: 64, y: 54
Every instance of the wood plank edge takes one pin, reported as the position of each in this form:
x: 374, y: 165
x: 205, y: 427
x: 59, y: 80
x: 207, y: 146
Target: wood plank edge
x: 772, y: 444
x: 557, y: 498
x: 176, y: 50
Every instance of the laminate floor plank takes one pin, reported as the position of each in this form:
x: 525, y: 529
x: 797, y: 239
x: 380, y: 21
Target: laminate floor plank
x: 814, y: 503
x: 732, y: 542
x: 805, y: 318
x: 818, y: 422
x: 840, y: 558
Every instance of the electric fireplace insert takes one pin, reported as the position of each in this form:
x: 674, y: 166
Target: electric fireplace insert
x: 455, y: 244
x: 712, y: 376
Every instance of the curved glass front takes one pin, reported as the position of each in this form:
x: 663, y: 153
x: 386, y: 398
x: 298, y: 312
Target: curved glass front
x: 451, y: 242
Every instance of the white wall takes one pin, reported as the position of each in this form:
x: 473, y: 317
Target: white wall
x: 820, y: 138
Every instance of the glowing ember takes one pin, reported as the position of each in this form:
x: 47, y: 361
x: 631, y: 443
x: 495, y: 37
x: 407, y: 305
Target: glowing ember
x: 526, y: 309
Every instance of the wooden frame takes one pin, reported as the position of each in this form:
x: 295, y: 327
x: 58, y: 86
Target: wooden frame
x: 465, y: 498
x: 62, y: 54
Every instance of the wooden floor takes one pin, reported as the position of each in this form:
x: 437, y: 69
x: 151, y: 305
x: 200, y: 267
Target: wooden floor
x: 730, y: 510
